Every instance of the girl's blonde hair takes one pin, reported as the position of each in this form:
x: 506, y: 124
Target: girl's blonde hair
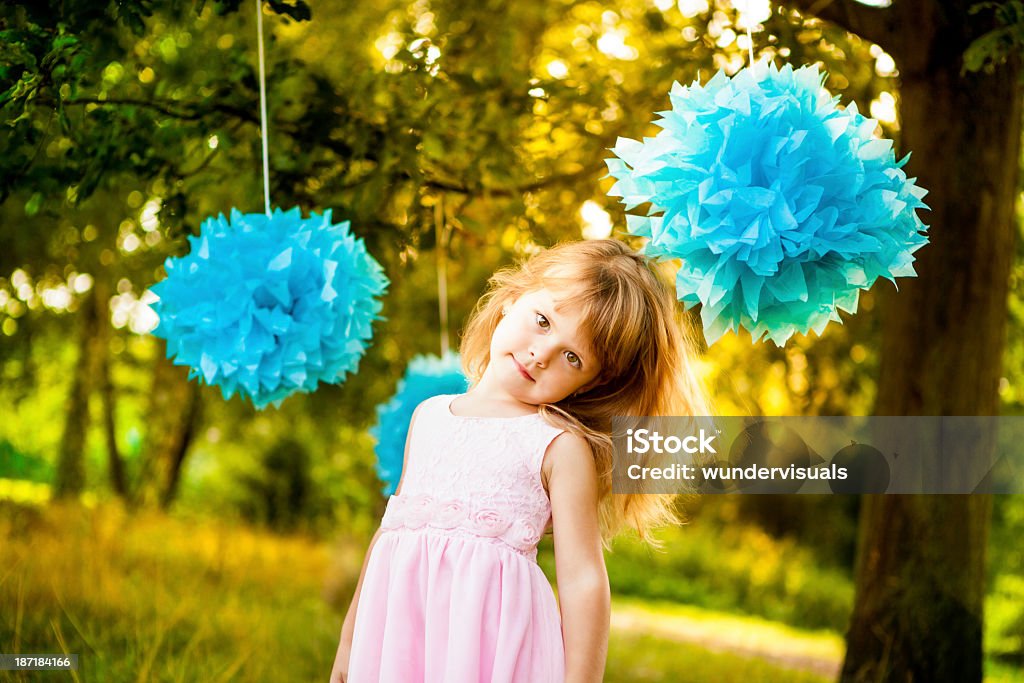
x: 632, y: 320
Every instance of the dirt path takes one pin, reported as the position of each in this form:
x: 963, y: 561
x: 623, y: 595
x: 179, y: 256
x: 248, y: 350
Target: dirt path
x: 780, y: 645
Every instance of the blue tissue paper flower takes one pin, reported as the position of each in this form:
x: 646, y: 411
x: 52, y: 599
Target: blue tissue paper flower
x: 780, y: 206
x: 426, y: 376
x: 268, y: 306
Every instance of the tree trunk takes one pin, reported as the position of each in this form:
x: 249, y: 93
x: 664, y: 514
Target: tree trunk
x: 921, y: 559
x: 70, y: 476
x: 105, y: 387
x: 172, y: 415
x: 176, y: 458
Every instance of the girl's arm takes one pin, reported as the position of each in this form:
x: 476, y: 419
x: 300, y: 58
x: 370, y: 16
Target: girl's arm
x: 583, y: 592
x: 339, y: 673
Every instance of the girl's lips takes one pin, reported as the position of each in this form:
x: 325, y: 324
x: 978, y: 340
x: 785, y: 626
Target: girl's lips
x: 522, y: 370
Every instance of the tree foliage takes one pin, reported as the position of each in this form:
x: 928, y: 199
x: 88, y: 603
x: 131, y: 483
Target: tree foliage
x: 476, y: 128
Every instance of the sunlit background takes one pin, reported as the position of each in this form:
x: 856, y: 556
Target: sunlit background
x: 199, y: 539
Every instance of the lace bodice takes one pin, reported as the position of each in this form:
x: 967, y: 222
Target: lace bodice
x: 474, y: 477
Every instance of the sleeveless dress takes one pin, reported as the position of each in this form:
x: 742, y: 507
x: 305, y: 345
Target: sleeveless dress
x: 452, y: 591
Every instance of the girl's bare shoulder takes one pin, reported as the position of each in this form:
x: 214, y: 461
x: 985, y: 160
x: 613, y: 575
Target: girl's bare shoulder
x: 569, y: 457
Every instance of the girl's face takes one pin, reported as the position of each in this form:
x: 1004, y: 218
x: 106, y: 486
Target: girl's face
x: 539, y: 353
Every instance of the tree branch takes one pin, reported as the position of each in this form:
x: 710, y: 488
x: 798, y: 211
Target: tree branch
x: 189, y: 112
x: 167, y: 108
x: 876, y: 24
x: 516, y: 190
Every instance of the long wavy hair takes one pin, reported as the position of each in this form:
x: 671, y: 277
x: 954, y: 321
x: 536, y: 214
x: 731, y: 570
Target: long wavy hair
x: 643, y: 345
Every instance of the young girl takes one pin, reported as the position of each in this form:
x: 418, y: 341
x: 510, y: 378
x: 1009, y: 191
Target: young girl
x: 450, y: 591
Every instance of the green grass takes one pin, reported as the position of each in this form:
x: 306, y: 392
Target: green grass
x: 735, y: 568
x: 157, y: 599
x: 149, y: 597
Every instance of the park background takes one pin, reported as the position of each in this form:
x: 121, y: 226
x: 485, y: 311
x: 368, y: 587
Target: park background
x: 165, y: 534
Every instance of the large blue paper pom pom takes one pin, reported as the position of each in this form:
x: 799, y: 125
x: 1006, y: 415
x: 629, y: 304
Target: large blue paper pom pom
x: 267, y: 306
x: 780, y: 206
x: 425, y: 377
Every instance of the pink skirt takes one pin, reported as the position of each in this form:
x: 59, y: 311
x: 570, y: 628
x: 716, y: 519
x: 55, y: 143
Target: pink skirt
x: 442, y: 608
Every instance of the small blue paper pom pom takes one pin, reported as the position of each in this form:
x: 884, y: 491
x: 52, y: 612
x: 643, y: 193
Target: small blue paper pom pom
x: 780, y: 206
x: 426, y: 376
x: 265, y: 306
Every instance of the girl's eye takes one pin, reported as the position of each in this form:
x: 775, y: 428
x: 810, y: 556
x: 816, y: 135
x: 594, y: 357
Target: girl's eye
x: 542, y: 322
x: 573, y: 359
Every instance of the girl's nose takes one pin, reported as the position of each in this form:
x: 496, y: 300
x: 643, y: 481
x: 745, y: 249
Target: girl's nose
x: 541, y: 352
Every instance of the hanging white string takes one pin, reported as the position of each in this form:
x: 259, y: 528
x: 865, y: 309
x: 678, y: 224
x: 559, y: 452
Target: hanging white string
x: 750, y: 44
x: 263, y: 108
x: 747, y: 10
x: 440, y: 232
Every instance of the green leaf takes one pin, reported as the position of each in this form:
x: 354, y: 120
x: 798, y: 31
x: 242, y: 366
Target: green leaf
x: 999, y: 44
x: 33, y: 204
x: 433, y: 146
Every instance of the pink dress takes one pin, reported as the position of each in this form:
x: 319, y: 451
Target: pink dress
x: 452, y: 591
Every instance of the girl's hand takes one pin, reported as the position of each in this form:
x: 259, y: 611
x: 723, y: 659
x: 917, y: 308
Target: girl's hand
x: 339, y: 674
